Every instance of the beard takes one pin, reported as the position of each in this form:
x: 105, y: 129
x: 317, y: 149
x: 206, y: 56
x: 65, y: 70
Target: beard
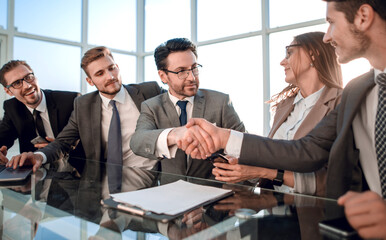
x: 359, y: 50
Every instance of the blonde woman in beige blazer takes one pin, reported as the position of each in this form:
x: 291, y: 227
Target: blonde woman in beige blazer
x: 315, y: 87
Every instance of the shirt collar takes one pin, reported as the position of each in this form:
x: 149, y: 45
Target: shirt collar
x: 119, y: 97
x: 175, y: 99
x: 377, y: 72
x: 42, y: 107
x: 310, y: 100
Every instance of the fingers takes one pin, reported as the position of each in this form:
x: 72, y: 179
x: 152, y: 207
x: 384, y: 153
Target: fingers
x: 3, y: 154
x: 346, y: 196
x: 49, y: 139
x: 40, y: 145
x: 28, y: 158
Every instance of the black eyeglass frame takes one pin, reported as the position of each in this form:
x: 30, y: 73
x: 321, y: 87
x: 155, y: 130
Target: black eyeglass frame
x: 21, y: 81
x: 187, y: 70
x: 289, y: 46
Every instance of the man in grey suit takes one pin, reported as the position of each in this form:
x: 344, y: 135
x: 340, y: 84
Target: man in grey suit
x: 161, y: 121
x: 91, y: 117
x: 352, y: 138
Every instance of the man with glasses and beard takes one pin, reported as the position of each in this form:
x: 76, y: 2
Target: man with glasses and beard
x: 162, y: 118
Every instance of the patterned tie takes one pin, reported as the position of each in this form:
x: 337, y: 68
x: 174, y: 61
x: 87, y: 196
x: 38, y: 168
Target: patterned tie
x: 380, y: 131
x: 114, y: 152
x: 39, y: 124
x: 183, y: 116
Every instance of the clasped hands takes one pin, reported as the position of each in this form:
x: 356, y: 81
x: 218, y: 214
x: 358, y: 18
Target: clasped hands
x: 200, y: 138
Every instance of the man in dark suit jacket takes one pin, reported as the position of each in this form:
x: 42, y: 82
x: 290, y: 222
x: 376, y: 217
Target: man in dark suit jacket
x: 347, y: 138
x: 159, y: 124
x: 92, y: 114
x: 18, y: 123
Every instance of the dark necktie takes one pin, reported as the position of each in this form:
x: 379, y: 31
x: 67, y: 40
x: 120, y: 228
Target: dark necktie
x: 183, y: 116
x: 39, y: 124
x: 114, y: 152
x: 380, y: 131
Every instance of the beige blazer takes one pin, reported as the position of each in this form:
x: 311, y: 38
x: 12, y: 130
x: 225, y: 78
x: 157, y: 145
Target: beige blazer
x: 327, y: 102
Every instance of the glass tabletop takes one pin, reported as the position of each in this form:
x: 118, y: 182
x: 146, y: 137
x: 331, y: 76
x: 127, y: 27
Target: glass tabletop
x: 54, y: 204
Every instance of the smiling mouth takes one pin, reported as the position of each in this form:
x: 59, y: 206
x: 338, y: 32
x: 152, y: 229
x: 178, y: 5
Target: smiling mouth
x: 30, y: 92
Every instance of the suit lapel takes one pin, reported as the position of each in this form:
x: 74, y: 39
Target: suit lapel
x: 95, y: 121
x: 52, y: 112
x: 137, y: 97
x: 356, y: 96
x: 282, y: 113
x: 319, y: 110
x: 170, y: 110
x: 199, y: 105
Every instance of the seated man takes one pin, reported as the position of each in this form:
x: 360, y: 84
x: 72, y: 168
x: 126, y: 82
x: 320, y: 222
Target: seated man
x: 162, y: 118
x: 32, y: 112
x: 104, y: 121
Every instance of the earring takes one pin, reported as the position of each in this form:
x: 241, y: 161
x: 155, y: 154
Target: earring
x: 312, y: 65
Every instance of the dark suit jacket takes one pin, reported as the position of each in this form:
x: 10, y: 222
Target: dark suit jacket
x: 18, y: 122
x: 159, y: 113
x: 85, y: 124
x: 332, y: 141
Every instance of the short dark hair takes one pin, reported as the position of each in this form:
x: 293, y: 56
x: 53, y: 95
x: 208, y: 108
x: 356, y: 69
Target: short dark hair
x: 93, y: 54
x: 10, y: 66
x: 350, y: 7
x: 170, y: 46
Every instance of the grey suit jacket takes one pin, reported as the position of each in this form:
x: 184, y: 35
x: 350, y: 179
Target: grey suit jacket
x: 85, y: 124
x: 159, y: 113
x: 332, y: 141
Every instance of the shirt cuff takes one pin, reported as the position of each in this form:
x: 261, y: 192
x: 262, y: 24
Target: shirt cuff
x: 43, y: 155
x: 305, y: 183
x: 233, y: 147
x: 162, y: 149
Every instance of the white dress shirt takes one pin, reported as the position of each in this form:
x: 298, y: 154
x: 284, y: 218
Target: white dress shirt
x: 303, y: 182
x: 42, y: 108
x: 162, y: 149
x: 128, y: 114
x: 364, y: 135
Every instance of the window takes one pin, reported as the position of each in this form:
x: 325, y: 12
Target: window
x: 166, y: 19
x: 3, y: 14
x: 235, y: 67
x: 57, y: 19
x: 290, y: 12
x: 112, y: 24
x: 222, y: 18
x: 56, y: 66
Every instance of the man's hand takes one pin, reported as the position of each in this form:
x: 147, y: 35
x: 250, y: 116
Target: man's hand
x: 366, y: 213
x: 28, y: 158
x: 236, y: 173
x: 195, y: 136
x: 42, y: 145
x: 218, y: 137
x: 3, y: 154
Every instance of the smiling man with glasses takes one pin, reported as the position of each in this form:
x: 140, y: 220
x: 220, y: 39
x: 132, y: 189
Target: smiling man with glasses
x: 163, y: 117
x: 33, y: 116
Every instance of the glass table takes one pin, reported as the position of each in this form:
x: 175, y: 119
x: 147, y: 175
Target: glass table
x: 62, y: 205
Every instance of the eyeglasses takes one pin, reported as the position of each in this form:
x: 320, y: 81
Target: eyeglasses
x: 287, y: 53
x: 183, y: 74
x: 19, y: 83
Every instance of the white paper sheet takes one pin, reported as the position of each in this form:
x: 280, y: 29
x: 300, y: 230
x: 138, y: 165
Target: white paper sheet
x: 172, y: 198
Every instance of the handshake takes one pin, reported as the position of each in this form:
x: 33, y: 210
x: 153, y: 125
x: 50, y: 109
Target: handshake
x: 199, y: 138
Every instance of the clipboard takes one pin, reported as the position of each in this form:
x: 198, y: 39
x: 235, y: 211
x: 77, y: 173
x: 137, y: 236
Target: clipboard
x: 154, y: 216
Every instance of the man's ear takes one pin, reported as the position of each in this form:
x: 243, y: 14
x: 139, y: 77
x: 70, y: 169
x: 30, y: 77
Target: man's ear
x: 364, y: 17
x: 163, y: 76
x: 89, y: 81
x: 8, y: 91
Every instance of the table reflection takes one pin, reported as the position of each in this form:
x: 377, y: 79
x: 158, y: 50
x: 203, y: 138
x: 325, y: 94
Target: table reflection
x: 50, y: 201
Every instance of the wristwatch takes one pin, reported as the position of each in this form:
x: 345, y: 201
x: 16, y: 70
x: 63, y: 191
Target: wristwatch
x: 278, y: 180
